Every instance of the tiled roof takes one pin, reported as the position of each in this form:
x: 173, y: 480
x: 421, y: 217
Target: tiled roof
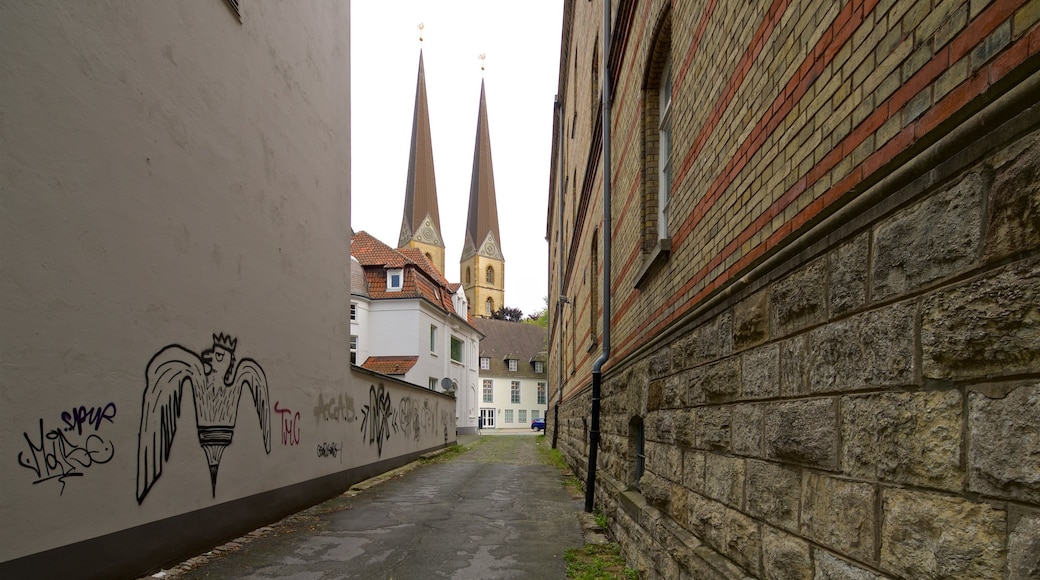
x: 504, y: 340
x: 421, y: 278
x: 390, y: 365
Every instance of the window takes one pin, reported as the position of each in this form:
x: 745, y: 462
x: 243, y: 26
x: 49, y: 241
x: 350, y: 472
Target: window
x: 433, y: 384
x: 512, y: 364
x: 636, y: 448
x: 456, y: 350
x: 541, y: 393
x: 535, y: 414
x: 539, y: 367
x: 468, y: 277
x: 489, y: 307
x: 490, y: 275
x: 394, y: 280
x: 664, y: 149
x: 657, y: 144
x: 353, y: 310
x: 353, y: 349
x: 433, y: 339
x: 509, y: 415
x: 489, y: 391
x: 521, y: 416
x: 485, y: 363
x: 514, y: 392
x: 594, y: 286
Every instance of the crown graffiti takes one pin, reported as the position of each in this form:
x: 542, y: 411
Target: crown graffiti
x: 227, y: 342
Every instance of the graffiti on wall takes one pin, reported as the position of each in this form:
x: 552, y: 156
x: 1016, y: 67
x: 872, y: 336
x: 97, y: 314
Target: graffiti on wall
x: 215, y: 385
x: 411, y: 417
x: 290, y: 425
x: 335, y: 408
x: 329, y: 449
x: 52, y: 455
x: 375, y: 417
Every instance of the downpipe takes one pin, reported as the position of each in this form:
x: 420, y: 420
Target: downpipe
x: 597, y: 366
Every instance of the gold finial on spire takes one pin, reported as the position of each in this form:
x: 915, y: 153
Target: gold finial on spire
x: 482, y: 58
x: 420, y: 27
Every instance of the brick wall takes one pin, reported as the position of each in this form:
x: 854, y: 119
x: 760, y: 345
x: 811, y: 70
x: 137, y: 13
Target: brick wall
x: 836, y: 365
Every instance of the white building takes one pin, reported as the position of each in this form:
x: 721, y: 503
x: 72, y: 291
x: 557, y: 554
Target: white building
x: 512, y: 373
x: 409, y: 322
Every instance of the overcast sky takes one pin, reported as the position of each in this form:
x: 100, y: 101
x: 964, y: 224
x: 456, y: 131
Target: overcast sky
x: 521, y: 41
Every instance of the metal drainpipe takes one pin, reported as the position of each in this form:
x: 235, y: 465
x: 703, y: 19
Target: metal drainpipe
x: 590, y: 485
x: 559, y: 271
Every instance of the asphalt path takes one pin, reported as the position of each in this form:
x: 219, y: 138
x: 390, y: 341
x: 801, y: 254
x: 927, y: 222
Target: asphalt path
x: 495, y: 511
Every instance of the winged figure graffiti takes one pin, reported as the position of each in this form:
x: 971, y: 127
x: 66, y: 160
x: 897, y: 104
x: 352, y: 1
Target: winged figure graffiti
x: 216, y: 384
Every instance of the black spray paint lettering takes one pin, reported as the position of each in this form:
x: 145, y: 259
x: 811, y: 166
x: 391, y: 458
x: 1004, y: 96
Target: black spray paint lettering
x: 290, y: 425
x: 335, y: 408
x: 375, y: 422
x: 54, y: 456
x: 329, y: 449
x: 91, y: 416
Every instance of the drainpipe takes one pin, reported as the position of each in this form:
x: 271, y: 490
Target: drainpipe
x: 597, y: 366
x: 560, y: 298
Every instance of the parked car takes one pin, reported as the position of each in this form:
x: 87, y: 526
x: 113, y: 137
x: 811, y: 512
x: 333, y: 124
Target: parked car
x: 538, y: 424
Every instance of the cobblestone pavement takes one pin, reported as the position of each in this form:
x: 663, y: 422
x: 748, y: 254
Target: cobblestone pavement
x: 495, y: 511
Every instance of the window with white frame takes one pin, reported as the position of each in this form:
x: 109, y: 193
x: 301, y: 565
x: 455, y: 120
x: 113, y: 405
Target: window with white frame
x: 541, y: 393
x: 512, y: 364
x: 509, y: 416
x: 433, y: 339
x: 539, y: 367
x: 456, y: 350
x: 664, y: 149
x: 535, y: 414
x: 353, y: 349
x: 514, y: 392
x: 521, y: 416
x: 394, y: 280
x: 433, y: 383
x: 353, y: 310
x: 485, y: 363
x: 489, y: 391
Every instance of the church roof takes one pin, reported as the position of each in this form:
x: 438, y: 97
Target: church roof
x: 420, y: 196
x: 482, y: 218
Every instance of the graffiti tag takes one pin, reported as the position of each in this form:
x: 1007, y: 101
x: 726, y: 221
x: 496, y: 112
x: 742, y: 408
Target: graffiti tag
x: 328, y: 449
x: 335, y: 408
x: 290, y: 425
x: 90, y: 416
x: 53, y: 456
x: 375, y: 422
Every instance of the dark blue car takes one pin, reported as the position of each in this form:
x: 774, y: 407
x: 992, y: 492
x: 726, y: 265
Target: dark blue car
x: 538, y: 424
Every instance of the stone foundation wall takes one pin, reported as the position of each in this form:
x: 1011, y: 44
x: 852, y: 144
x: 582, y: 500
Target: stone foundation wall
x: 868, y: 409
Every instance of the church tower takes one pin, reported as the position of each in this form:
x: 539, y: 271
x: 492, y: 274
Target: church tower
x: 421, y: 224
x: 482, y: 266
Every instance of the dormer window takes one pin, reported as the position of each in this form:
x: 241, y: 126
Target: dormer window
x: 539, y: 367
x: 512, y: 364
x: 485, y: 363
x: 394, y: 280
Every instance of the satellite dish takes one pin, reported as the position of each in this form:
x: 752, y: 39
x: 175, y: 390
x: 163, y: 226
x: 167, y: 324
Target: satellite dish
x: 446, y: 384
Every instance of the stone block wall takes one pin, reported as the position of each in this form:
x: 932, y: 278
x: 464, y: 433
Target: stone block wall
x: 870, y: 410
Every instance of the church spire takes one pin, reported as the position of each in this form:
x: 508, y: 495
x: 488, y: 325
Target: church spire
x: 421, y: 224
x: 482, y: 265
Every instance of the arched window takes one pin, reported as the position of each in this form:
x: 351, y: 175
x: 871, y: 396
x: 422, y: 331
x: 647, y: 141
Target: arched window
x: 657, y: 139
x: 489, y: 307
x: 490, y: 276
x: 467, y: 275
